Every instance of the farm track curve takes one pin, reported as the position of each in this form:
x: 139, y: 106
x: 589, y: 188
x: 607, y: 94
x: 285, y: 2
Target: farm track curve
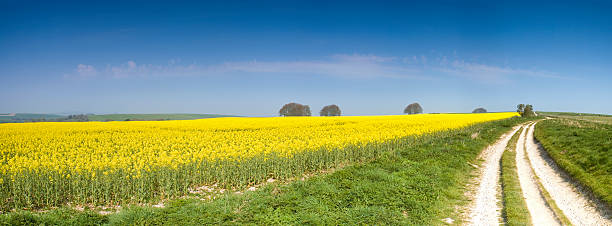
x: 537, y: 174
x: 577, y: 205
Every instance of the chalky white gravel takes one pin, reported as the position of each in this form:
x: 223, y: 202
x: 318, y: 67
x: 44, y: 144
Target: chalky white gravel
x: 540, y: 212
x: 485, y: 208
x: 576, y: 204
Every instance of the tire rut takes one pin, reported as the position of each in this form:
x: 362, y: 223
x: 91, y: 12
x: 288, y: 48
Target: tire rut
x: 485, y: 192
x: 578, y: 206
x: 539, y: 210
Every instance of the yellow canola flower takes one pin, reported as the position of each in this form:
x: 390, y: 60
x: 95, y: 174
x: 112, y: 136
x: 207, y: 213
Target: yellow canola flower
x: 88, y: 147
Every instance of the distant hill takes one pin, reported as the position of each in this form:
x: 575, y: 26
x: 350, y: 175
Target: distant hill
x: 598, y: 118
x: 572, y: 114
x: 24, y: 117
x: 152, y: 117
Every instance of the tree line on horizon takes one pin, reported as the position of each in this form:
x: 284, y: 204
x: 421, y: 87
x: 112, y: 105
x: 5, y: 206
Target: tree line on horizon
x: 295, y: 109
x: 69, y: 118
x: 525, y: 110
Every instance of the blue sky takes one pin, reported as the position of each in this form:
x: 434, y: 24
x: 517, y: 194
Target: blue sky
x: 251, y: 57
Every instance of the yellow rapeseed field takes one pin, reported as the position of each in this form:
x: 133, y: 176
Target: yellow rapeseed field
x: 50, y: 163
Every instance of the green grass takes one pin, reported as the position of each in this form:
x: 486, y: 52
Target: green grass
x: 62, y: 216
x: 515, y: 210
x: 420, y: 183
x: 144, y: 117
x: 583, y: 149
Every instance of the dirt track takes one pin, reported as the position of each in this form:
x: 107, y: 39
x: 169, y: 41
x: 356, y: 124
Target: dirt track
x: 541, y: 213
x: 579, y: 207
x: 534, y: 167
x: 484, y: 209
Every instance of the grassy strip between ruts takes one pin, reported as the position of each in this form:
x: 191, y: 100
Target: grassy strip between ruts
x: 421, y: 183
x: 515, y: 209
x: 583, y: 149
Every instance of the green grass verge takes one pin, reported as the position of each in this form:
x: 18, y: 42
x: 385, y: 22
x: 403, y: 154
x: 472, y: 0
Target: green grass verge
x: 515, y: 210
x: 583, y: 149
x: 420, y: 183
x: 145, y: 117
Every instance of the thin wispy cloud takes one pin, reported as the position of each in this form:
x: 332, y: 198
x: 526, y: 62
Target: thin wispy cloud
x: 490, y: 73
x: 83, y: 70
x: 350, y: 66
x: 347, y: 66
x: 131, y: 69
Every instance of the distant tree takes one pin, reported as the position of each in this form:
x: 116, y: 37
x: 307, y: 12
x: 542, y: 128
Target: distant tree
x: 525, y: 110
x: 295, y: 109
x: 528, y: 112
x: 69, y: 118
x: 520, y: 109
x: 414, y: 108
x: 77, y: 118
x: 479, y: 110
x: 330, y: 110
